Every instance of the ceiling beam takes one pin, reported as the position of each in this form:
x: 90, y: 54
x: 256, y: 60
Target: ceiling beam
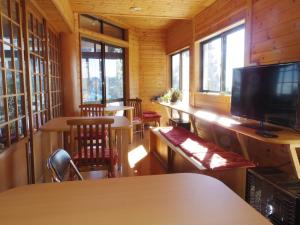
x: 66, y: 12
x: 138, y: 15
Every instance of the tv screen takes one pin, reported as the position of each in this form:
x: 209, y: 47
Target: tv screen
x: 267, y: 93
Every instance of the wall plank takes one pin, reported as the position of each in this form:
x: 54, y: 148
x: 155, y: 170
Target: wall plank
x: 153, y: 78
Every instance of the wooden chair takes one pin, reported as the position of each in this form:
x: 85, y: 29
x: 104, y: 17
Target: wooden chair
x: 89, y: 150
x: 137, y: 121
x: 61, y: 166
x: 92, y: 110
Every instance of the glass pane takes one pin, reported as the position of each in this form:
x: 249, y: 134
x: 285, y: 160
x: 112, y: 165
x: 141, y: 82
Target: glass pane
x: 3, y: 137
x: 21, y: 124
x: 19, y: 83
x: 175, y: 71
x: 87, y: 46
x: 20, y: 105
x: 212, y: 53
x: 6, y: 30
x: 11, y: 108
x: 2, y: 116
x: 16, y: 37
x: 113, y: 31
x: 185, y: 76
x: 1, y: 82
x: 91, y: 73
x: 89, y: 23
x: 17, y: 59
x: 9, y: 82
x: 8, y: 57
x: 114, y: 73
x: 13, y: 131
x: 234, y: 55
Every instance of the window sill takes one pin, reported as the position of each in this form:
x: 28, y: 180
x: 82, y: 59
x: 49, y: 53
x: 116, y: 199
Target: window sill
x: 214, y: 93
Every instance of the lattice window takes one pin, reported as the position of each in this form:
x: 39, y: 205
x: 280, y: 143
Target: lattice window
x: 12, y: 80
x: 39, y: 78
x: 54, y: 73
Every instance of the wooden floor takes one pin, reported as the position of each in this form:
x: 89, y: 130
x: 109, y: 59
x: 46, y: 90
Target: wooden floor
x: 148, y: 165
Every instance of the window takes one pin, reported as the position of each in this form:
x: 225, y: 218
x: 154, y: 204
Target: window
x: 100, y: 26
x: 39, y: 75
x: 102, y: 72
x: 54, y: 73
x: 220, y: 55
x: 180, y: 73
x: 12, y: 80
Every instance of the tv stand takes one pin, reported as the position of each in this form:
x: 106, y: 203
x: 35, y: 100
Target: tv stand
x: 262, y: 129
x: 266, y: 133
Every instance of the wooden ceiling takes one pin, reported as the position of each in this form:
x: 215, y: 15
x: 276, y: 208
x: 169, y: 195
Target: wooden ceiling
x: 153, y: 14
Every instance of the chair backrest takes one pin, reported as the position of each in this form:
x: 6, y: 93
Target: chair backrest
x: 60, y: 164
x: 92, y: 110
x: 136, y: 103
x: 93, y: 137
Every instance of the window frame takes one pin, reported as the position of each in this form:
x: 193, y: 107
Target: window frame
x: 103, y: 75
x: 223, y: 36
x: 180, y: 66
x: 101, y: 30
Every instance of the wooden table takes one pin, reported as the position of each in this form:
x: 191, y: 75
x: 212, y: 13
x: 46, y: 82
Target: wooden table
x: 53, y: 136
x: 129, y: 109
x: 176, y: 199
x: 285, y: 136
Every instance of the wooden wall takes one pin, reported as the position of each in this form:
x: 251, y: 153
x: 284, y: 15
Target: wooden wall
x: 179, y: 36
x: 13, y: 166
x: 133, y: 39
x: 275, y: 31
x: 153, y: 75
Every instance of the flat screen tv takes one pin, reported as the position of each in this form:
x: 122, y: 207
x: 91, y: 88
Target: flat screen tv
x: 267, y: 93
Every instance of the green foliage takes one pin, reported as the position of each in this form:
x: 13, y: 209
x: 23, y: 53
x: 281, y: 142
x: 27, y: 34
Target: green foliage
x: 176, y: 95
x: 172, y: 95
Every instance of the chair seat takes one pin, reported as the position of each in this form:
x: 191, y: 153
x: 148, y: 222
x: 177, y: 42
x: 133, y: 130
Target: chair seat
x: 151, y: 116
x: 149, y: 112
x: 93, y: 156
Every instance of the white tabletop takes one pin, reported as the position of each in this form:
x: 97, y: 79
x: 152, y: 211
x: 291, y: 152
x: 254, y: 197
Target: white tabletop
x: 176, y: 199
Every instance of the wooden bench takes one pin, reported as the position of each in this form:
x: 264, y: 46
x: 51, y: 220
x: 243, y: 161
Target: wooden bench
x: 179, y: 150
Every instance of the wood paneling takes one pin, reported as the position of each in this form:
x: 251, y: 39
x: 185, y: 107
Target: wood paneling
x: 133, y: 64
x: 154, y: 8
x: 154, y: 14
x: 148, y: 22
x: 276, y: 31
x: 153, y: 78
x: 179, y: 35
x: 13, y: 168
x: 218, y: 16
x: 57, y: 12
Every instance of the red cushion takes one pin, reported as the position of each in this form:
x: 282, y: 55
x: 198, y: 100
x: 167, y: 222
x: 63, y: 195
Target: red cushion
x: 191, y: 147
x: 149, y: 116
x: 149, y: 112
x: 178, y: 135
x: 222, y: 160
x: 107, y: 155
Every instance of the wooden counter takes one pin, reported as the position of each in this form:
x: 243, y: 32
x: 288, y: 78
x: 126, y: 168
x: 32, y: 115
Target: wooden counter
x: 176, y: 199
x: 285, y: 136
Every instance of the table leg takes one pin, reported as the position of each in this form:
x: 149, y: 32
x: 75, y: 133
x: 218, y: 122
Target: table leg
x: 130, y: 119
x: 193, y: 122
x: 242, y: 140
x: 295, y: 159
x: 124, y: 149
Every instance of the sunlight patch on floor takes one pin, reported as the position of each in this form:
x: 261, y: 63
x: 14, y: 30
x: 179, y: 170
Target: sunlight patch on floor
x: 136, y: 154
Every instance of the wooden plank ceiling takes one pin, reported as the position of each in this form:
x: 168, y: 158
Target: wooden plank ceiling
x: 148, y: 14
